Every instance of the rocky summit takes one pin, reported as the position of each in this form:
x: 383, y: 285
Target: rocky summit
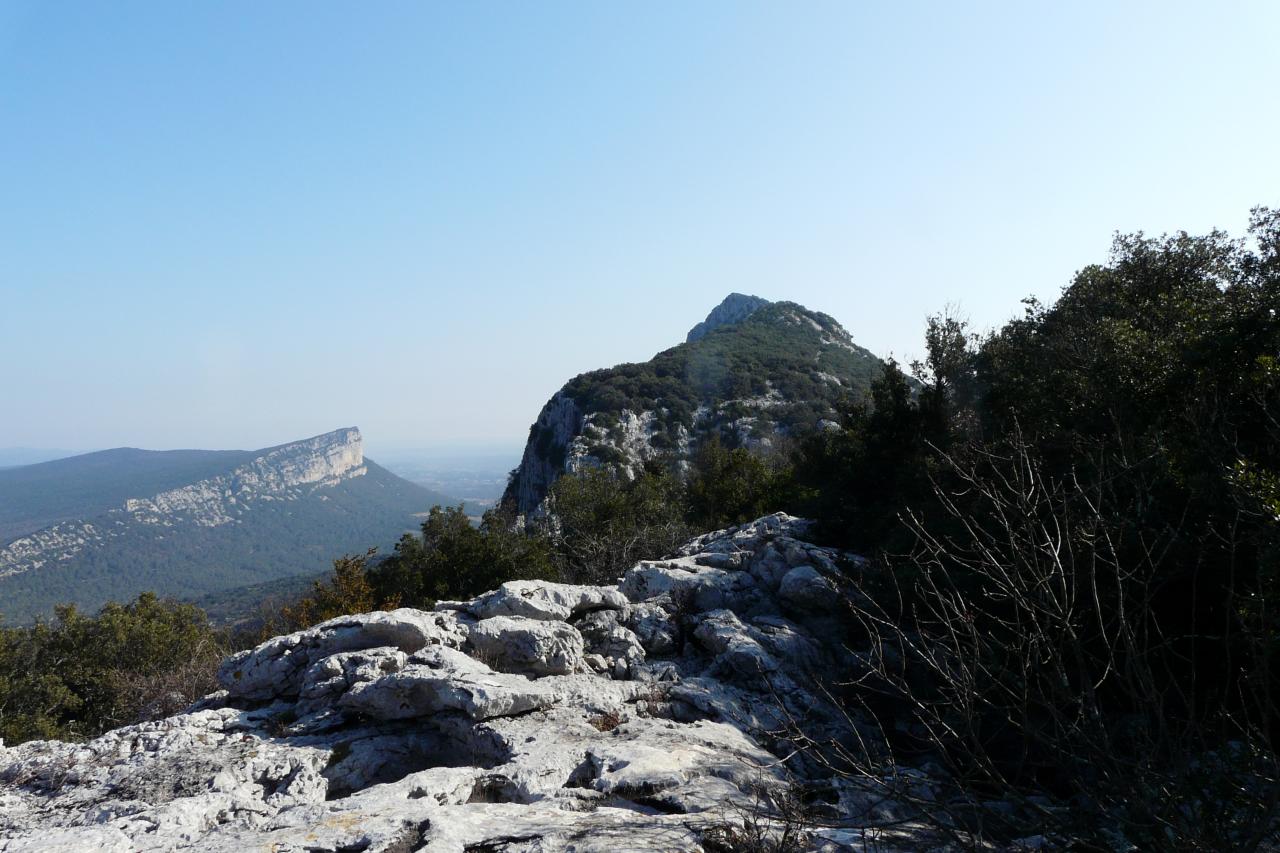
x: 735, y: 308
x: 535, y: 717
x: 752, y: 372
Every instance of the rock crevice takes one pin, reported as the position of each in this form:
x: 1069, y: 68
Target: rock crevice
x: 538, y: 716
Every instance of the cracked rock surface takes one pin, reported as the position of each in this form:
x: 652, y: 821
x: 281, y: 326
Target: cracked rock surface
x: 536, y: 717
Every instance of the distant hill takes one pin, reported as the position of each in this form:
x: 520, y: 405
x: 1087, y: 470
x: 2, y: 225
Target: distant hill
x: 36, y: 496
x: 189, y: 523
x: 12, y: 457
x: 752, y: 371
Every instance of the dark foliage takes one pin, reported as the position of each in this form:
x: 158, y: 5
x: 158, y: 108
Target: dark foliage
x: 602, y: 522
x: 77, y: 676
x: 349, y: 590
x: 1081, y: 516
x: 453, y: 559
x: 727, y: 486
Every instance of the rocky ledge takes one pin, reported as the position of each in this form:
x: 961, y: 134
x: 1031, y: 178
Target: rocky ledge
x: 536, y: 717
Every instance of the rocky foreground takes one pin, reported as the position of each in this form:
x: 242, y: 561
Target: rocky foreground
x: 536, y: 717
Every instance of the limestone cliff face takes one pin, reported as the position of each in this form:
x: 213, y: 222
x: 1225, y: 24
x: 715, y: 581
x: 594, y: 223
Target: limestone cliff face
x: 278, y: 473
x: 285, y: 473
x: 559, y: 425
x: 752, y: 371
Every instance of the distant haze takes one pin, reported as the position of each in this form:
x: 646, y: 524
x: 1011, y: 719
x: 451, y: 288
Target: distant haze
x: 235, y: 225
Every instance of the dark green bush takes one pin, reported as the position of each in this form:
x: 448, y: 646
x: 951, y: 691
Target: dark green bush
x: 77, y: 676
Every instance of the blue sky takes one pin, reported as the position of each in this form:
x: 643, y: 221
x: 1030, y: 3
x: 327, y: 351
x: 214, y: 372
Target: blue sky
x: 235, y: 224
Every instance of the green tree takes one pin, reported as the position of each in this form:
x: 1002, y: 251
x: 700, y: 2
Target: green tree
x: 349, y: 590
x: 855, y: 480
x: 79, y: 675
x: 729, y: 486
x: 453, y: 559
x: 601, y: 523
x: 1080, y: 513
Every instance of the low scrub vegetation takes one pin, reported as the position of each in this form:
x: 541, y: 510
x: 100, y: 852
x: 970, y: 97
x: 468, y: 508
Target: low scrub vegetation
x: 78, y: 676
x: 1074, y: 527
x: 1077, y: 526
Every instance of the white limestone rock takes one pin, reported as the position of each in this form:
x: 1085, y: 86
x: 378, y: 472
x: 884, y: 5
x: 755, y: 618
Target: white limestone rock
x: 805, y: 590
x: 441, y: 679
x: 656, y: 624
x: 724, y: 635
x: 326, y: 680
x: 277, y: 667
x: 407, y: 730
x: 691, y: 585
x: 545, y: 600
x: 534, y: 646
x: 604, y: 634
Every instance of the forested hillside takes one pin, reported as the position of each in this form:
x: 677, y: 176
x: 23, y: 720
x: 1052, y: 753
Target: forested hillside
x: 36, y: 496
x: 1063, y: 620
x: 248, y: 517
x: 761, y: 375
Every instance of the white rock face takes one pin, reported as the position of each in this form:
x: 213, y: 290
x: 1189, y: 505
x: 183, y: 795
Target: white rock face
x: 543, y: 600
x: 606, y: 420
x: 534, y: 646
x: 803, y: 588
x: 288, y: 472
x: 561, y: 422
x: 323, y: 461
x: 537, y: 717
x: 278, y: 666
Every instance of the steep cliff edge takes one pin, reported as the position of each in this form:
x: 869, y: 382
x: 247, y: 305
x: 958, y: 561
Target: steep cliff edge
x: 752, y: 371
x: 269, y: 513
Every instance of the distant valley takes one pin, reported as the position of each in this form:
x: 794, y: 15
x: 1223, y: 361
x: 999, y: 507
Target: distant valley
x: 477, y: 478
x: 187, y: 523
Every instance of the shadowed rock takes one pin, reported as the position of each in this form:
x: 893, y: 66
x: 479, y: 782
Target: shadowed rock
x: 535, y: 717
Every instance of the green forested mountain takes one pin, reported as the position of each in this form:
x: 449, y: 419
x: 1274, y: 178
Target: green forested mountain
x: 239, y: 518
x: 752, y: 373
x: 36, y: 496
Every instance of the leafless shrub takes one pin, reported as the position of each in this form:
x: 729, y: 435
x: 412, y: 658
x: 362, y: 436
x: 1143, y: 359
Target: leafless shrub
x: 1025, y: 656
x: 162, y: 693
x: 776, y: 821
x: 606, y: 721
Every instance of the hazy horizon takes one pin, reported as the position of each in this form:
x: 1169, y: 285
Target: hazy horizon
x: 238, y: 225
x: 380, y: 452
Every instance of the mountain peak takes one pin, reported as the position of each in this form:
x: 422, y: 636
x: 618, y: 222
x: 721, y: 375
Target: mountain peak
x: 753, y: 370
x: 735, y: 308
x: 98, y: 525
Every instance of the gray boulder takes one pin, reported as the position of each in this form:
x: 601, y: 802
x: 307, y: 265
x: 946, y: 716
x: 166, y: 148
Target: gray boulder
x: 441, y: 679
x: 277, y: 667
x: 804, y: 589
x: 536, y: 717
x: 518, y: 644
x: 545, y: 600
